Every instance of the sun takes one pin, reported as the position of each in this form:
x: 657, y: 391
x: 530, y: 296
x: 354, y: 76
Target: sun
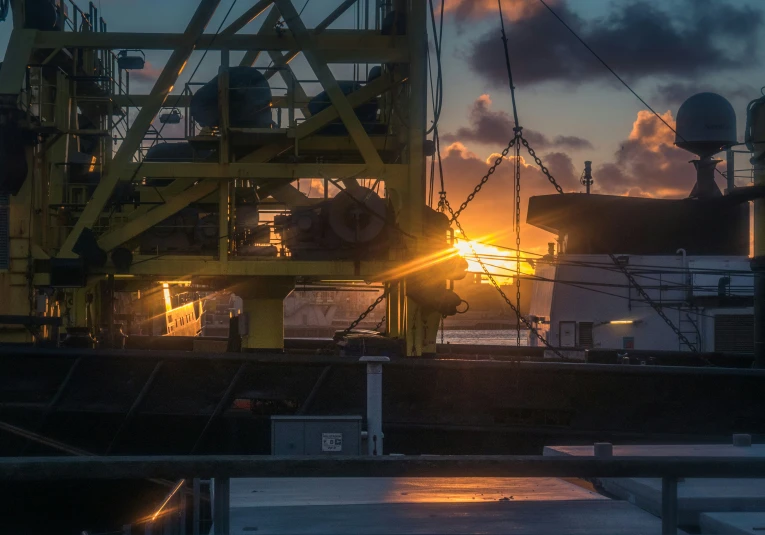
x: 500, y: 262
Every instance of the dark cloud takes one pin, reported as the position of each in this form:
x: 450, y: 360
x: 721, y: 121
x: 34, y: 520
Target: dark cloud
x: 496, y: 128
x: 647, y: 165
x: 684, y: 38
x: 675, y: 93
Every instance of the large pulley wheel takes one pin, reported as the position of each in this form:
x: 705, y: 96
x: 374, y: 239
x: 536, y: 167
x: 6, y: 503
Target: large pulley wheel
x: 357, y: 215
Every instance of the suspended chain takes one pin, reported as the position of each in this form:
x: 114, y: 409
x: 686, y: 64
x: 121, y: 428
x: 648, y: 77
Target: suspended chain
x: 518, y: 237
x: 541, y: 166
x: 364, y: 314
x: 497, y: 287
x: 653, y: 305
x: 484, y: 179
x: 380, y: 323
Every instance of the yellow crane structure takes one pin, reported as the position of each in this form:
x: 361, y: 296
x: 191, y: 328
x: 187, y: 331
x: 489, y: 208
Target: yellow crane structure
x: 75, y: 215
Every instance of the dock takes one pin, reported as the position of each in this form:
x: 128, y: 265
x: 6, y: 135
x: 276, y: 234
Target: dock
x: 429, y: 505
x: 720, y: 505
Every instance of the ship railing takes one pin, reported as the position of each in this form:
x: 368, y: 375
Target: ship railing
x: 75, y: 19
x: 222, y: 468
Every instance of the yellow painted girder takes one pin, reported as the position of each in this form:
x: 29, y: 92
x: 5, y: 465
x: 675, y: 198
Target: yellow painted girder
x: 336, y: 46
x: 308, y: 44
x: 190, y: 266
x: 135, y: 135
x: 289, y: 171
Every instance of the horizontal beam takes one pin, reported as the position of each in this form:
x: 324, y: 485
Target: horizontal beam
x: 180, y: 266
x: 155, y: 216
x: 195, y: 171
x: 336, y: 46
x: 177, y: 467
x: 183, y: 101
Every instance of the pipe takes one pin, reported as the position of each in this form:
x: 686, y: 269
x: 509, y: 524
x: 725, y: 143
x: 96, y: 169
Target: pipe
x: 374, y: 404
x: 730, y: 159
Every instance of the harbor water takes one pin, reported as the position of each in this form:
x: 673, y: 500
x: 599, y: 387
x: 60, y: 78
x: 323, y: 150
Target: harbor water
x: 503, y: 337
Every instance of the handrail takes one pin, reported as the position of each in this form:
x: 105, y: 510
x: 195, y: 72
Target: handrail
x: 205, y: 466
x: 222, y: 468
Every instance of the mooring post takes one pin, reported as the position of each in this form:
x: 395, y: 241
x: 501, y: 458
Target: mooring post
x: 669, y: 506
x: 374, y: 403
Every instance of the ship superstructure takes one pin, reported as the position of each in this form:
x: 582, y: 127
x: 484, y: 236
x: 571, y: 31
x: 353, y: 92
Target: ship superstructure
x: 655, y: 274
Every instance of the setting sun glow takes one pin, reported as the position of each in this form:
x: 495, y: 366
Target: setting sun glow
x: 499, y: 262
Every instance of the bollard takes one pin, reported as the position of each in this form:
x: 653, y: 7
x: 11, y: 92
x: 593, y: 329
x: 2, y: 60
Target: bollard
x: 374, y: 403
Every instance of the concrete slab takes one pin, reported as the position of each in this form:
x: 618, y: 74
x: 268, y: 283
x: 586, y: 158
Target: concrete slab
x: 666, y: 450
x: 695, y: 496
x: 429, y: 505
x: 733, y: 523
x: 278, y: 492
x: 590, y: 517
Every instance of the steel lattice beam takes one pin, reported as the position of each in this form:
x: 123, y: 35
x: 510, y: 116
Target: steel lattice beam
x: 307, y: 43
x: 162, y: 88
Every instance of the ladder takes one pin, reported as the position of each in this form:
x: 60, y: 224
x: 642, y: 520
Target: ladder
x: 689, y: 328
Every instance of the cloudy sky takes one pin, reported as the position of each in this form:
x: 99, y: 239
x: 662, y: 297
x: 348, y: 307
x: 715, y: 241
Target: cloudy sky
x: 572, y: 109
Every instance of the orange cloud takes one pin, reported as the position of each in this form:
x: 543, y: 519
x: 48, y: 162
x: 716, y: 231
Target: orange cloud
x: 513, y: 10
x: 651, y: 132
x: 148, y: 74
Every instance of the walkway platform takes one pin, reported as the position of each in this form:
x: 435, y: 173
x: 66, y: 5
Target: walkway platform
x: 695, y: 496
x: 430, y: 505
x: 733, y: 523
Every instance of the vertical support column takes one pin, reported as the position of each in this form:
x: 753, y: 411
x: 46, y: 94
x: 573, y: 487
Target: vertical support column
x: 196, y: 519
x: 418, y: 105
x: 374, y: 403
x: 109, y: 310
x: 757, y: 132
x: 730, y: 161
x: 669, y: 506
x: 265, y: 326
x: 182, y: 509
x: 431, y: 323
x: 221, y: 506
x: 393, y: 315
x: 224, y: 191
x: 264, y: 306
x: 415, y: 322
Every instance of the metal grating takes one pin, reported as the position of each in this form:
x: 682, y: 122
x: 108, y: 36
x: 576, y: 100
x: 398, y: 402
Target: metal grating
x: 734, y: 333
x: 585, y: 334
x: 5, y: 222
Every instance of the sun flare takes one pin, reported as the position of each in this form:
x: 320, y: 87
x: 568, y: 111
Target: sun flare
x: 500, y: 262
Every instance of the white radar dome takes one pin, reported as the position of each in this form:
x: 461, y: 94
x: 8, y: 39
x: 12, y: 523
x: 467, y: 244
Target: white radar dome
x: 706, y: 123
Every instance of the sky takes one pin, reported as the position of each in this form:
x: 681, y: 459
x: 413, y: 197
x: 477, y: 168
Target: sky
x: 571, y: 108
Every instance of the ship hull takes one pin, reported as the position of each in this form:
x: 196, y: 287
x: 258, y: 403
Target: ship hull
x: 182, y: 402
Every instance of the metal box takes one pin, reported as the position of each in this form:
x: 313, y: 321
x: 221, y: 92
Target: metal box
x: 316, y: 435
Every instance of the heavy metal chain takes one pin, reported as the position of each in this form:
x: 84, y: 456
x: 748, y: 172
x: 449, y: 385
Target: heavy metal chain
x: 484, y: 179
x: 653, y: 305
x: 497, y: 287
x: 518, y: 239
x: 541, y: 166
x: 379, y: 323
x: 364, y: 314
